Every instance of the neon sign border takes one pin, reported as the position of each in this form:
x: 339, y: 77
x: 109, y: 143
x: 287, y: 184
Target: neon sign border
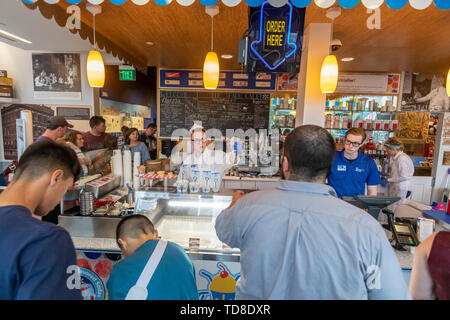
x: 260, y: 38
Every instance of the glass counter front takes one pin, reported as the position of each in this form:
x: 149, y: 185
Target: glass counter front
x: 184, y: 218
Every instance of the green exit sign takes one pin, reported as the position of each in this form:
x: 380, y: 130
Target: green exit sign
x: 127, y: 75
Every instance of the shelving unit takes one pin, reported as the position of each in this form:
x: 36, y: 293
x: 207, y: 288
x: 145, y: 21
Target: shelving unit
x: 360, y: 108
x: 282, y: 117
x: 8, y: 100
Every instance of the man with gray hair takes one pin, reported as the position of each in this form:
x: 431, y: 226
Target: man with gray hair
x: 153, y: 269
x: 299, y: 241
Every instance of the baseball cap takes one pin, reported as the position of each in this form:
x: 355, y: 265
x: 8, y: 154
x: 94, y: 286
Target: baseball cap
x: 58, y: 121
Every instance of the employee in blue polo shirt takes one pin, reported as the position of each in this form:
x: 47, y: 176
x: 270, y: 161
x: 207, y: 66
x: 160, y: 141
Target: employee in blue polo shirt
x: 352, y: 170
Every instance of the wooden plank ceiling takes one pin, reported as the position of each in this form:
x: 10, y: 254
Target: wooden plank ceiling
x: 409, y: 39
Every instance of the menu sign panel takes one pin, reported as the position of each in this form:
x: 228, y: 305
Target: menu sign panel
x: 382, y: 83
x: 229, y: 80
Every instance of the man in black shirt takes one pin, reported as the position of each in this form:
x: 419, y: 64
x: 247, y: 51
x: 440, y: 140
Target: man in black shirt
x: 149, y: 138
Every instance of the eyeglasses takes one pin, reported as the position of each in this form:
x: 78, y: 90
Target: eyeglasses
x: 198, y: 140
x: 354, y: 144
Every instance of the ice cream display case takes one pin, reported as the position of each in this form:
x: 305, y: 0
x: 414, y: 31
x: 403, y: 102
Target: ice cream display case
x: 187, y: 219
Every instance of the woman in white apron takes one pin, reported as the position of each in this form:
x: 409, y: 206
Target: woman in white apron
x: 401, y: 170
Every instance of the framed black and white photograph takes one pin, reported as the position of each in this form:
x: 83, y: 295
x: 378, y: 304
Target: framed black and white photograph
x: 424, y: 93
x: 56, y: 76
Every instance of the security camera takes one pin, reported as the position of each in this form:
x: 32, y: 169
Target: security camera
x: 336, y: 44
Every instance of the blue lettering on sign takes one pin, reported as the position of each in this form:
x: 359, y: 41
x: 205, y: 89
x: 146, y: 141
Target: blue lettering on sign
x: 92, y: 287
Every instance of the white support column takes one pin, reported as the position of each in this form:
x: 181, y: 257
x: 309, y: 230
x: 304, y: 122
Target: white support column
x: 310, y: 100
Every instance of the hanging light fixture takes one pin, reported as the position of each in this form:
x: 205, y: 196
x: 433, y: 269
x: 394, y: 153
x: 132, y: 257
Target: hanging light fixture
x: 448, y: 83
x: 211, y: 64
x: 329, y: 74
x: 95, y: 66
x: 330, y: 71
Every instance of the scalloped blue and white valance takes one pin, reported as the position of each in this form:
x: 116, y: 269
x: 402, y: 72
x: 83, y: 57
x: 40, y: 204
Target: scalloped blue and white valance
x: 370, y: 4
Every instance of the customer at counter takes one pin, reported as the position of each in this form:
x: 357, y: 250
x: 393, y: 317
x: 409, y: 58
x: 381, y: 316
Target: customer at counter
x: 352, y: 170
x: 430, y: 275
x: 149, y: 138
x: 124, y: 130
x: 95, y: 138
x: 75, y: 141
x: 401, y: 170
x: 133, y: 144
x: 101, y: 163
x: 299, y: 241
x: 173, y: 276
x: 56, y: 129
x: 36, y: 255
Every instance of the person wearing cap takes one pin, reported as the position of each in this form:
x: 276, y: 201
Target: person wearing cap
x: 56, y: 128
x: 352, y: 170
x: 401, y: 170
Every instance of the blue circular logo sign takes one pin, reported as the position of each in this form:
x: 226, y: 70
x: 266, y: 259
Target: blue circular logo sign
x: 92, y: 287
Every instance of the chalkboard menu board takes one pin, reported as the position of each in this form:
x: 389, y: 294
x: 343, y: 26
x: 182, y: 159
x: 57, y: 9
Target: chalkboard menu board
x: 218, y: 110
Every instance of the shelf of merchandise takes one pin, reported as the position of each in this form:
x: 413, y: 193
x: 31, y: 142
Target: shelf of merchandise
x: 364, y: 130
x: 8, y: 100
x: 346, y: 104
x: 276, y: 110
x: 361, y: 111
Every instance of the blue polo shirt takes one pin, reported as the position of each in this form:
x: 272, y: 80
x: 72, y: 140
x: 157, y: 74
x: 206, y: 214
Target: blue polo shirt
x: 34, y: 258
x: 174, y: 277
x: 349, y: 178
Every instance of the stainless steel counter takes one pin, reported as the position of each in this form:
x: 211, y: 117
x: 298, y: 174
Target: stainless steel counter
x: 178, y: 217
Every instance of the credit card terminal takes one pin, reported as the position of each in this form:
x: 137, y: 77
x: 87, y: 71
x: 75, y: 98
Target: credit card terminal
x: 404, y: 234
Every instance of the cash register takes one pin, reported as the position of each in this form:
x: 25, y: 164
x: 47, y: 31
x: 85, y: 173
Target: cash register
x: 403, y: 231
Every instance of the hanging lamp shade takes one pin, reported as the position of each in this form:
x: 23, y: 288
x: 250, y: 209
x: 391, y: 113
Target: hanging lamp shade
x: 448, y: 83
x: 211, y: 71
x: 95, y: 69
x: 329, y: 74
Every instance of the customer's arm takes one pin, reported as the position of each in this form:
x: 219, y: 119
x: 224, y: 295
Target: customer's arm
x: 421, y: 285
x: 228, y: 222
x: 145, y: 155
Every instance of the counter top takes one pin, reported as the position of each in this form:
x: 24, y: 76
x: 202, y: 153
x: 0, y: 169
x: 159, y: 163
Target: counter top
x: 233, y: 178
x: 405, y: 258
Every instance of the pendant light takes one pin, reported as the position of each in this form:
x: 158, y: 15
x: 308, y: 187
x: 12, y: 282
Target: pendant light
x: 211, y: 64
x: 330, y: 71
x: 95, y: 66
x: 448, y: 83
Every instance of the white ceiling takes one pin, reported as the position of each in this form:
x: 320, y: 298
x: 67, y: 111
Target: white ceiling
x: 45, y: 35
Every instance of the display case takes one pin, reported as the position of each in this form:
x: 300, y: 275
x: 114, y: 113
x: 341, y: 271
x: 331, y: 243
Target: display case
x: 183, y: 218
x: 187, y: 219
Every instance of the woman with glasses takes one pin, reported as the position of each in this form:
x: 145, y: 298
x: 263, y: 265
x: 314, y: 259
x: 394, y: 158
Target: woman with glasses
x: 352, y: 170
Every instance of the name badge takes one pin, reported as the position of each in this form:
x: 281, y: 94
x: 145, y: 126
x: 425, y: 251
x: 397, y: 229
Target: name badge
x: 342, y: 167
x: 359, y: 170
